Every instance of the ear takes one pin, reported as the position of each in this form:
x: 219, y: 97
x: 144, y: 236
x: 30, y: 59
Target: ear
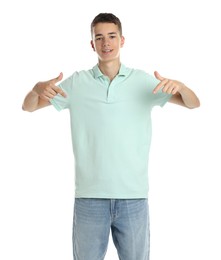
x: 122, y: 41
x: 92, y: 45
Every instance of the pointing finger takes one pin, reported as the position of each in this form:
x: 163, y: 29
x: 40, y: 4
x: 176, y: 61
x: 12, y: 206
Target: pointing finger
x: 59, y: 91
x: 160, y: 85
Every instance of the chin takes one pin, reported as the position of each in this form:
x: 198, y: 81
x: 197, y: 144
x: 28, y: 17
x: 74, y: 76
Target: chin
x: 109, y: 58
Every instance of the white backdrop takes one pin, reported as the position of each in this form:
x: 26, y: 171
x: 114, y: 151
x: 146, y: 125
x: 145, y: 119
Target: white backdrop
x: 178, y: 38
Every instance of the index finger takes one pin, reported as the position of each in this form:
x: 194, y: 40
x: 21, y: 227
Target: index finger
x: 160, y: 85
x: 58, y: 90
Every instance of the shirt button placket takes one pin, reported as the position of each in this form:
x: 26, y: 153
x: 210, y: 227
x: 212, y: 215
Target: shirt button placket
x: 110, y: 92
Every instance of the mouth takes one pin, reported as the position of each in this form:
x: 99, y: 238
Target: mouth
x: 106, y: 51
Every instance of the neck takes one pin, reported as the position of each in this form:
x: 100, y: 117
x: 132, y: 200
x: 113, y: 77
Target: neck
x: 109, y: 69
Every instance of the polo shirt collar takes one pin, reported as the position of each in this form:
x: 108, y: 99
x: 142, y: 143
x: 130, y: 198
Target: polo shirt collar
x: 122, y: 72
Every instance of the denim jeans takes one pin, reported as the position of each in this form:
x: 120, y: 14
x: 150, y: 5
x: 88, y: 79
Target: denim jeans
x: 128, y: 220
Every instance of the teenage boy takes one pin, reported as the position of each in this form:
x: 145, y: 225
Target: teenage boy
x: 110, y: 107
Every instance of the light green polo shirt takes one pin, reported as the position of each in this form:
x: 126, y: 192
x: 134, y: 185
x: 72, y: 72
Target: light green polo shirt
x: 111, y: 131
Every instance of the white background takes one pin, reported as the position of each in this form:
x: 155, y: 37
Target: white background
x: 180, y: 39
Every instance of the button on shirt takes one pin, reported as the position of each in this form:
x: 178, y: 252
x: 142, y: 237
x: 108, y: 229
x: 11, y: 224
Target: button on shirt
x: 111, y: 130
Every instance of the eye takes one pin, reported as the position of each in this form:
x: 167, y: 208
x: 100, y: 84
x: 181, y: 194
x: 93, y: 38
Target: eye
x: 112, y: 36
x: 98, y: 38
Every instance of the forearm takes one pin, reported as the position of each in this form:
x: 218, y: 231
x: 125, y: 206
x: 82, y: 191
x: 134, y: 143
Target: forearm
x: 31, y: 101
x: 185, y: 97
x: 189, y: 98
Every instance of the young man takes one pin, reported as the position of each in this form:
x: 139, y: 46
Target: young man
x: 110, y: 107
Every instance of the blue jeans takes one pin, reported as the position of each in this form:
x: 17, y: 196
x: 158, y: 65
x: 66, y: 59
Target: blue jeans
x: 128, y: 220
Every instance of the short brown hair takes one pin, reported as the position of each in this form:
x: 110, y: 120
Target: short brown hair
x: 106, y: 18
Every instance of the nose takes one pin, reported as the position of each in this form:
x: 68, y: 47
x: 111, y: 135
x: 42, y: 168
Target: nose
x: 106, y: 42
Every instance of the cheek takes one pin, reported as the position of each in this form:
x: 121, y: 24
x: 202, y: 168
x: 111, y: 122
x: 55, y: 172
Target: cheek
x: 97, y: 46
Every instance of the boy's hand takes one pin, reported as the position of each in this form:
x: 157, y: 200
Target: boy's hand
x: 167, y: 85
x: 47, y: 89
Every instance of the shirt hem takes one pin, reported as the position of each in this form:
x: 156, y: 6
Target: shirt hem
x: 88, y: 196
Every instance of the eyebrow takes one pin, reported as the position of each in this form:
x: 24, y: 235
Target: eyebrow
x: 100, y: 34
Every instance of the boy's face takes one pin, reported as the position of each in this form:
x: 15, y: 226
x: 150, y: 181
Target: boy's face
x: 107, y: 41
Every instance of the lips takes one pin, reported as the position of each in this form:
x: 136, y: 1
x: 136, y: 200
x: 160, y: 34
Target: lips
x: 107, y: 51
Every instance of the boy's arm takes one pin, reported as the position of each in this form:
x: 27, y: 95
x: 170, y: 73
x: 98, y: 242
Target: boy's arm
x: 33, y: 102
x: 40, y: 95
x: 181, y: 94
